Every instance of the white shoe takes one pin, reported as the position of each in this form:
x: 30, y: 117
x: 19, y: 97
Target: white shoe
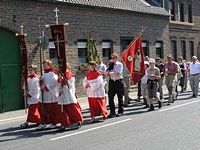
x: 41, y: 126
x: 51, y: 126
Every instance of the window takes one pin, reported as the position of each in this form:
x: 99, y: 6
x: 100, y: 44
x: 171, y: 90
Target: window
x: 191, y: 48
x: 174, y: 49
x: 145, y: 47
x: 190, y: 13
x: 172, y: 9
x: 183, y: 49
x: 106, y: 50
x: 181, y: 12
x: 52, y: 52
x: 82, y: 51
x: 159, y: 49
x: 125, y: 41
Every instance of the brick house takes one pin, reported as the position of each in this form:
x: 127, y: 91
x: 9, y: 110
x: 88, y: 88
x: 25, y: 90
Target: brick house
x: 184, y: 26
x: 112, y: 23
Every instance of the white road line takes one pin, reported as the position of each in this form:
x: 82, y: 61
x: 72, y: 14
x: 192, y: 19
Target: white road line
x: 11, y: 119
x: 88, y: 130
x: 161, y: 110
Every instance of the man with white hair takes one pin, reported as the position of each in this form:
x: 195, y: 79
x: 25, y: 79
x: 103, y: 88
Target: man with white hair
x: 194, y: 69
x: 153, y: 74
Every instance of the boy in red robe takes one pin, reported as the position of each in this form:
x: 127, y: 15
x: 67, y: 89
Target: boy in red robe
x: 33, y: 96
x: 94, y: 87
x: 69, y: 108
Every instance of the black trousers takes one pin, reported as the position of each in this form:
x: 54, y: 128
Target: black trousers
x: 116, y: 87
x: 139, y: 89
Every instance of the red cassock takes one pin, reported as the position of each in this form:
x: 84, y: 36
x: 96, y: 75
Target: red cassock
x: 71, y: 112
x: 97, y: 107
x: 96, y: 94
x: 49, y: 112
x: 33, y: 114
x: 34, y: 95
x: 49, y: 108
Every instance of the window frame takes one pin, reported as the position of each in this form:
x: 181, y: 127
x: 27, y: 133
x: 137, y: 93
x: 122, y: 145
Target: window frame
x: 181, y: 14
x: 81, y: 48
x: 160, y: 48
x: 183, y: 49
x: 145, y: 48
x: 172, y: 10
x: 106, y: 48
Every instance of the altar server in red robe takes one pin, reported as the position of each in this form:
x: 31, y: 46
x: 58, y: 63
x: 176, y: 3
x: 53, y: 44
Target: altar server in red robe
x: 50, y: 97
x: 33, y: 95
x: 69, y: 108
x: 94, y: 87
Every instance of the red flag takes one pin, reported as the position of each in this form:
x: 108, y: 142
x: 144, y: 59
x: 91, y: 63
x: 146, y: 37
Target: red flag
x: 133, y: 58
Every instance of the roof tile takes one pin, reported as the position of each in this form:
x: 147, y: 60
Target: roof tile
x: 130, y: 5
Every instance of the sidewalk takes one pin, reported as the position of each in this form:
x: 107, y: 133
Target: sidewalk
x: 82, y: 100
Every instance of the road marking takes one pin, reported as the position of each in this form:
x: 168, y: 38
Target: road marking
x: 88, y: 130
x: 179, y: 106
x: 11, y: 119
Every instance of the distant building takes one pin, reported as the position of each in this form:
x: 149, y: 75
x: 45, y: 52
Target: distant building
x: 184, y: 27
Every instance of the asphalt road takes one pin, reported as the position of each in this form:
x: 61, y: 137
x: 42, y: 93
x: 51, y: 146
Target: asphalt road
x: 174, y: 127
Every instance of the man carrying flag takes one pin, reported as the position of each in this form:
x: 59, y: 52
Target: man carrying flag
x: 133, y: 58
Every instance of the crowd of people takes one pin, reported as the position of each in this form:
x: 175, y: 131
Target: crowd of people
x: 174, y: 74
x: 52, y: 98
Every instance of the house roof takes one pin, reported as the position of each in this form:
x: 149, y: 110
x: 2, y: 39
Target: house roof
x: 128, y: 5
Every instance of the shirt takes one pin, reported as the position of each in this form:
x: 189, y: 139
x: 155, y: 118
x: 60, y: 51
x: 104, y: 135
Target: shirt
x: 101, y: 67
x: 171, y: 67
x: 154, y: 71
x: 194, y: 68
x: 118, y: 71
x: 161, y: 67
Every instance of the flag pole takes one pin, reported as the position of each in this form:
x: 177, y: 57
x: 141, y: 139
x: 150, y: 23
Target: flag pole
x: 139, y: 34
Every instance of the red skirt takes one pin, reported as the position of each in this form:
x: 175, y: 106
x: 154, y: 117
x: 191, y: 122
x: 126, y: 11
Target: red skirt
x: 97, y: 107
x: 49, y: 113
x: 71, y: 114
x: 33, y: 114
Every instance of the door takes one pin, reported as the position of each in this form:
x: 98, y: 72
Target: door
x: 10, y: 72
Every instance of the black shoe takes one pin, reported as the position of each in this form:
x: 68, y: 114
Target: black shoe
x: 194, y: 96
x: 24, y: 125
x: 138, y: 99
x: 125, y: 105
x: 147, y: 106
x: 151, y: 108
x: 159, y: 104
x: 111, y: 115
x: 119, y: 114
x: 79, y: 124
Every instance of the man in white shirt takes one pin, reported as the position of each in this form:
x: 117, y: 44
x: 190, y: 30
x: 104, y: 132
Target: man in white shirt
x: 116, y: 86
x: 194, y: 69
